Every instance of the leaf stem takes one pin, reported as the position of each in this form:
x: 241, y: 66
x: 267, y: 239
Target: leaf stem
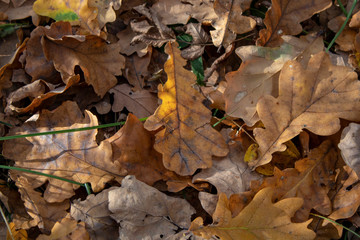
x: 342, y: 27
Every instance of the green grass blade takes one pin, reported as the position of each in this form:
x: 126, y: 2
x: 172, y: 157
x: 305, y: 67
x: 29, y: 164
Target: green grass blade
x: 7, y: 224
x: 342, y: 7
x: 66, y: 130
x: 330, y: 220
x: 342, y: 26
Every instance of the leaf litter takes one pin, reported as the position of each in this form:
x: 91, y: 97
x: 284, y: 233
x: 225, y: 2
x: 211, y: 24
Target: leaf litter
x: 267, y: 144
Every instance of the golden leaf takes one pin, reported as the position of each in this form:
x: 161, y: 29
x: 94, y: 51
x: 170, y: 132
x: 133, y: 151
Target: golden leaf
x: 261, y: 219
x: 188, y: 140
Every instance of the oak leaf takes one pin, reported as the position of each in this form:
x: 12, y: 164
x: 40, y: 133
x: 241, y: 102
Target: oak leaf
x: 230, y: 21
x: 311, y: 180
x: 349, y: 146
x: 188, y: 141
x: 94, y: 212
x: 69, y: 10
x: 74, y: 155
x: 18, y: 234
x: 314, y: 98
x: 126, y: 47
x: 134, y: 154
x: 136, y: 69
x: 67, y: 228
x: 258, y: 75
x: 44, y: 214
x: 284, y: 17
x: 261, y: 219
x: 99, y: 61
x: 141, y: 103
x: 199, y: 39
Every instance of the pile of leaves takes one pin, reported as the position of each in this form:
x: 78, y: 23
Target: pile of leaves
x: 239, y: 123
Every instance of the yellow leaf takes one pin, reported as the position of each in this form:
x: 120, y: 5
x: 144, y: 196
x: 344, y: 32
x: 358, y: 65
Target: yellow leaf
x: 20, y: 234
x: 314, y: 98
x: 188, y: 140
x: 67, y: 10
x: 261, y: 219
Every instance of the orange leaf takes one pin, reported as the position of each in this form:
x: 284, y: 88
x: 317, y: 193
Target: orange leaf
x: 188, y: 140
x: 284, y: 17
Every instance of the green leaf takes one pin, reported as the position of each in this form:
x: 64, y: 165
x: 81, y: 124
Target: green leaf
x: 198, y: 69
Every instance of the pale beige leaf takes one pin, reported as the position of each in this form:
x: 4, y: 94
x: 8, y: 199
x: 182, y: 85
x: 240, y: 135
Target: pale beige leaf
x: 350, y: 146
x: 143, y: 211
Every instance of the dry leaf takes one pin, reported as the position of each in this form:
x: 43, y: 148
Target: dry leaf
x: 19, y: 234
x: 258, y: 75
x: 188, y: 140
x: 346, y: 39
x: 314, y: 98
x: 284, y: 17
x: 229, y: 174
x: 74, y: 155
x: 199, y: 38
x: 133, y: 152
x: 70, y: 10
x: 136, y: 69
x: 44, y: 214
x: 99, y: 61
x: 37, y: 66
x: 95, y: 213
x: 126, y: 47
x: 230, y: 21
x: 261, y: 219
x: 349, y: 146
x: 67, y: 229
x: 141, y: 103
x: 105, y: 11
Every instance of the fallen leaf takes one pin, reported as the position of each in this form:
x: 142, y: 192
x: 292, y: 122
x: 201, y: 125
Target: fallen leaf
x: 136, y: 70
x: 44, y: 214
x: 74, y: 155
x: 258, y: 75
x: 346, y: 39
x: 105, y: 11
x: 188, y: 140
x: 229, y: 174
x: 133, y: 152
x: 199, y: 39
x: 95, y: 213
x: 284, y: 17
x: 6, y: 71
x: 261, y: 219
x: 19, y: 234
x: 21, y: 10
x: 349, y: 146
x: 310, y: 180
x: 230, y: 21
x: 69, y: 10
x: 99, y: 61
x: 67, y: 228
x: 126, y: 47
x: 314, y: 98
x: 141, y: 103
x: 347, y: 199
x: 37, y: 66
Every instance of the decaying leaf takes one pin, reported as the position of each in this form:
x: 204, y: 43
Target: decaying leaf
x: 230, y: 21
x: 95, y: 213
x: 99, y: 61
x: 230, y: 174
x: 136, y: 69
x: 105, y: 11
x: 284, y: 17
x: 258, y: 75
x: 200, y: 38
x: 74, y: 155
x: 67, y: 228
x: 19, y: 234
x: 133, y: 152
x: 44, y: 214
x: 314, y: 98
x: 126, y: 47
x: 188, y: 140
x: 69, y: 10
x: 261, y: 219
x: 141, y: 103
x: 349, y: 146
